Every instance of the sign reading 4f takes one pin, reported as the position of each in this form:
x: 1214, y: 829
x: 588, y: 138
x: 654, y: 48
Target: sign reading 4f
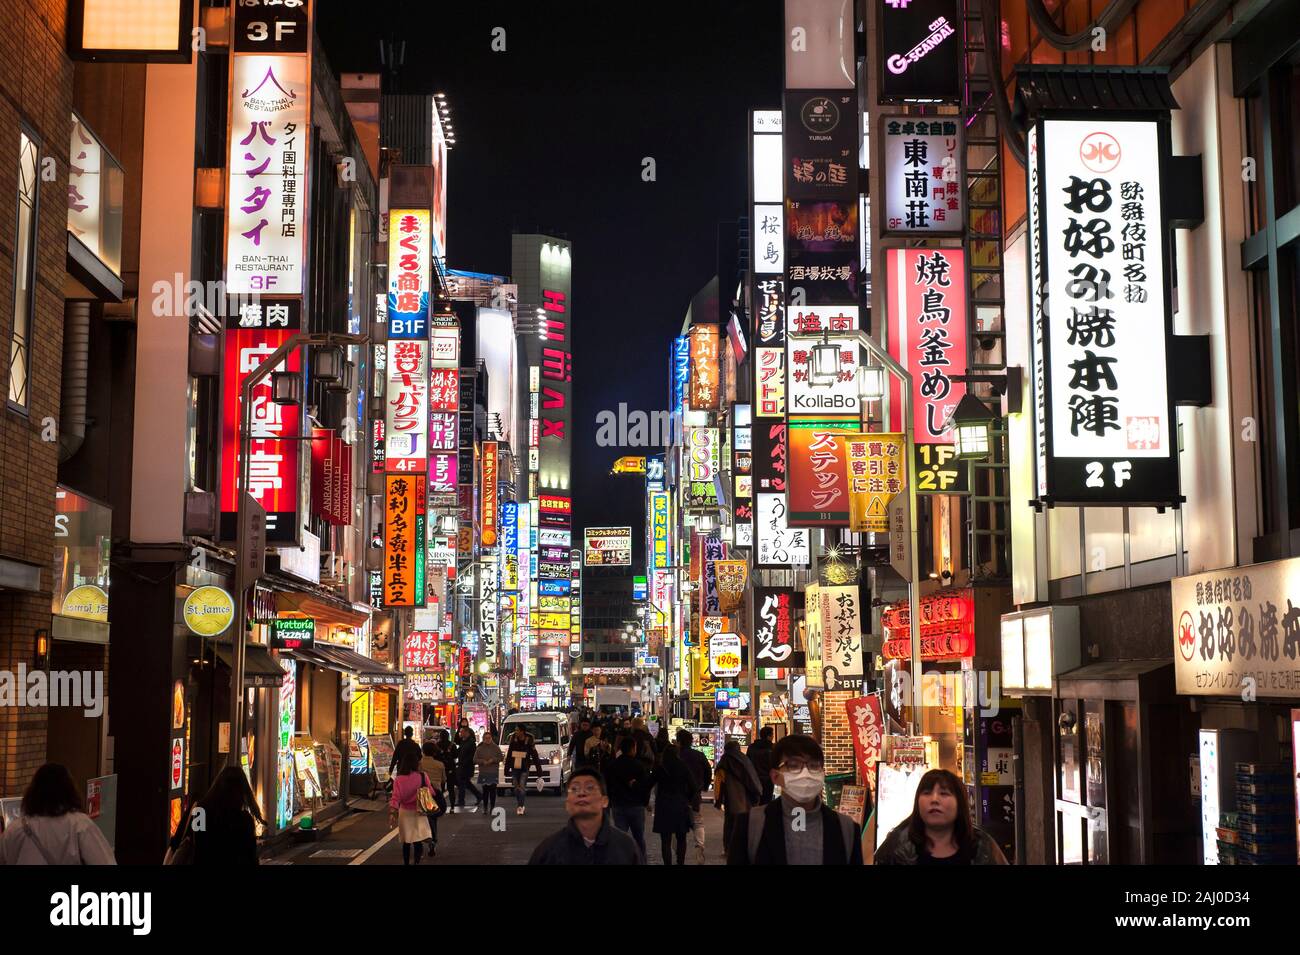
x: 272, y: 26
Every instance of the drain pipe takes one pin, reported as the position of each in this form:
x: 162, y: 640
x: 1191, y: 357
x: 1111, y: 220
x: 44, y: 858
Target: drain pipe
x: 76, y: 367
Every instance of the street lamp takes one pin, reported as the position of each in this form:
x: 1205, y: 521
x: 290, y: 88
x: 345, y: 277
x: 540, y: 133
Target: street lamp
x: 871, y: 382
x: 970, y: 423
x: 825, y: 362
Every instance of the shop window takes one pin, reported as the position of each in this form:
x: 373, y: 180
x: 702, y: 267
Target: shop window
x: 24, y: 268
x: 83, y: 531
x: 95, y: 185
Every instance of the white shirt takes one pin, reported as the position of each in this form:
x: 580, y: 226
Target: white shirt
x: 70, y: 839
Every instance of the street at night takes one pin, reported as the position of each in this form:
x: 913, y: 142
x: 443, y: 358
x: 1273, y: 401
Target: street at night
x: 818, y: 433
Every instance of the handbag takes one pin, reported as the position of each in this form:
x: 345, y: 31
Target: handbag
x: 424, y: 798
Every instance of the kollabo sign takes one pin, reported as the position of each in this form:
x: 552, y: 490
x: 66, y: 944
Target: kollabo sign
x: 1238, y: 630
x: 1099, y: 290
x: 724, y: 655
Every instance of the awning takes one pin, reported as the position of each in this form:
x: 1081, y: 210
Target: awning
x: 320, y: 608
x: 1147, y: 681
x: 367, y: 671
x: 259, y: 669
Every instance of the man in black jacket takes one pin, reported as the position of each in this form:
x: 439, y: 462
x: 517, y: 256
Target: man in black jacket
x: 702, y: 772
x: 628, y: 783
x: 405, y: 745
x: 799, y: 828
x: 465, y: 747
x: 760, y: 754
x: 577, y: 754
x: 588, y: 839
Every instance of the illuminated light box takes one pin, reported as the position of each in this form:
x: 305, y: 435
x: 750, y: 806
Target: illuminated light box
x: 130, y: 31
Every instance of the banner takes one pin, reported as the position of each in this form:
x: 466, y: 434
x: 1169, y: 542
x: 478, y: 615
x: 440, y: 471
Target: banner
x: 866, y: 723
x: 876, y: 473
x: 607, y: 546
x: 731, y: 577
x: 841, y: 628
x: 813, y: 636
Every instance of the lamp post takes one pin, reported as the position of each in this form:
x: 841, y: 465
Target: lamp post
x: 871, y: 381
x: 243, y: 579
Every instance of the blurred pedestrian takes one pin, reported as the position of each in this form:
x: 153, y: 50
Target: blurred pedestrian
x: 488, y: 758
x: 675, y: 787
x: 52, y: 829
x: 760, y: 754
x: 436, y: 770
x: 736, y: 788
x: 521, y: 749
x: 702, y: 773
x: 628, y: 785
x: 465, y: 764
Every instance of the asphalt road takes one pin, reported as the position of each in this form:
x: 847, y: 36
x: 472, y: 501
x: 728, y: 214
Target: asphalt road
x: 363, y: 837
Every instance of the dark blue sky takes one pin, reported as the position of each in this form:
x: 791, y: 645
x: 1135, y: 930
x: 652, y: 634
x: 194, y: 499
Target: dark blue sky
x: 551, y: 135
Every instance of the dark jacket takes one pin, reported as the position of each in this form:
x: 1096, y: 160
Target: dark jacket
x: 837, y: 830
x: 645, y: 747
x: 675, y: 791
x: 760, y: 754
x: 576, y: 745
x: 465, y: 759
x: 567, y: 847
x: 226, y: 839
x: 528, y: 747
x: 701, y: 773
x: 403, y: 747
x: 898, y: 849
x: 447, y: 754
x: 628, y: 781
x: 740, y: 787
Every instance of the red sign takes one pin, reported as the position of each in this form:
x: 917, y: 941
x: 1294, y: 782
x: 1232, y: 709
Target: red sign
x: 927, y: 335
x: 251, y: 337
x: 947, y: 627
x: 178, y: 762
x: 818, y: 475
x: 444, y: 389
x: 868, y: 727
x: 420, y: 651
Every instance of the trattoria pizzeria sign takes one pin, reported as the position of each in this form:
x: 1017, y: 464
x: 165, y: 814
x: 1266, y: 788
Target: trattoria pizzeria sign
x: 1099, y: 289
x: 1237, y: 631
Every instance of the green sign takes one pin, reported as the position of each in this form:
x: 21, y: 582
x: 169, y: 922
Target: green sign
x: 292, y: 633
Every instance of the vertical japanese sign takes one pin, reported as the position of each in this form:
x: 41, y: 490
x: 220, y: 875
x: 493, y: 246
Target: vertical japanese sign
x: 273, y: 477
x: 773, y: 626
x: 487, y: 609
x: 405, y: 513
x: 702, y: 462
x: 408, y: 274
x: 731, y: 577
x: 813, y: 635
x: 660, y: 558
x: 922, y: 180
x: 867, y: 724
x: 765, y: 192
x: 712, y: 550
x: 704, y: 387
x: 509, y: 547
x: 818, y: 490
x: 680, y: 372
x: 769, y: 348
x: 270, y: 129
x: 488, y: 495
x: 1104, y: 412
x: 841, y: 629
x: 556, y: 412
x: 777, y: 543
x: 876, y: 473
x: 926, y: 302
x: 406, y: 421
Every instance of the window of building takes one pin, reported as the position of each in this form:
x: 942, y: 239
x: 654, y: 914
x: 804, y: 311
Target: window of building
x: 24, y: 268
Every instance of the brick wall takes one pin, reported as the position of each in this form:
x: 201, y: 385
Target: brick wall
x: 837, y: 738
x: 35, y: 88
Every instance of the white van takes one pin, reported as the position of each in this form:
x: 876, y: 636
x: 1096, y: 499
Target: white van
x: 550, y: 733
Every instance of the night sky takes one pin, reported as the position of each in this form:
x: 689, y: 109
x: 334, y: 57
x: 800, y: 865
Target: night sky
x: 550, y: 138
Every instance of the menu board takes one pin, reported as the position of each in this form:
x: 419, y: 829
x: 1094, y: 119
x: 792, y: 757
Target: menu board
x: 381, y: 754
x: 304, y: 761
x: 853, y: 802
x: 330, y: 762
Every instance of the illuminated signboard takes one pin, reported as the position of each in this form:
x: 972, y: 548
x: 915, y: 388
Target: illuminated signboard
x: 273, y: 479
x: 920, y: 50
x: 488, y: 495
x: 681, y: 371
x: 149, y: 31
x: 807, y: 393
x: 818, y: 493
x: 407, y: 407
x: 659, y: 529
x: 607, y: 546
x: 404, y: 540
x: 292, y: 633
x: 487, y: 608
x: 408, y: 274
x: 704, y: 385
x: 922, y: 181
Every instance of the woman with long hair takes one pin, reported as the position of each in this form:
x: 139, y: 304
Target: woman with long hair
x: 673, y: 788
x: 404, y: 808
x: 224, y: 823
x: 939, y: 831
x: 52, y: 828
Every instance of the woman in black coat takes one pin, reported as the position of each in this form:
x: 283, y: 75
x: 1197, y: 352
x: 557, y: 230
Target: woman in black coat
x: 674, y: 787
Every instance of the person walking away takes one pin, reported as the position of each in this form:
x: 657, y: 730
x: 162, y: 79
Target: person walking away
x: 521, y: 749
x: 436, y: 770
x: 698, y: 765
x: 465, y: 749
x: 406, y: 744
x: 405, y: 811
x: 675, y: 787
x: 798, y: 828
x: 662, y: 742
x: 628, y: 787
x: 52, y: 828
x: 760, y: 755
x: 488, y: 758
x: 645, y: 744
x: 230, y: 817
x: 588, y: 838
x: 735, y: 789
x: 447, y: 754
x: 577, y: 745
x: 939, y: 830
x: 596, y: 749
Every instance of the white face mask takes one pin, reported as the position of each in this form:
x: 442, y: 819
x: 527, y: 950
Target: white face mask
x: 803, y: 786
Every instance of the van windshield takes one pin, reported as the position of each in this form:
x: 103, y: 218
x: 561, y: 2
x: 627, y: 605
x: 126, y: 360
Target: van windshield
x: 548, y: 732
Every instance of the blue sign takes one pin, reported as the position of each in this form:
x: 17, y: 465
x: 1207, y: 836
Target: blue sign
x: 510, y: 525
x: 639, y: 589
x: 726, y: 699
x: 681, y: 371
x: 553, y: 588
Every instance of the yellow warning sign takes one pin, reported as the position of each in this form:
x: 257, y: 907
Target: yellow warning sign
x: 876, y: 474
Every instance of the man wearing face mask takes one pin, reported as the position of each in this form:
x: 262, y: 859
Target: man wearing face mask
x: 798, y: 828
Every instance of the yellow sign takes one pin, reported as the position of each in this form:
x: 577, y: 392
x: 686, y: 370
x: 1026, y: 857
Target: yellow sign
x: 553, y: 621
x: 379, y: 713
x: 87, y: 602
x: 209, y: 611
x: 876, y: 473
x: 703, y: 684
x: 629, y: 465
